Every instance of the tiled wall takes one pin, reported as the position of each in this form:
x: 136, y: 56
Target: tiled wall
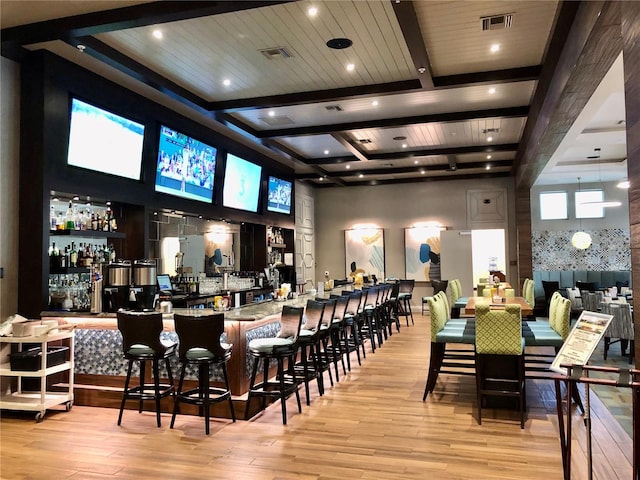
x: 610, y: 251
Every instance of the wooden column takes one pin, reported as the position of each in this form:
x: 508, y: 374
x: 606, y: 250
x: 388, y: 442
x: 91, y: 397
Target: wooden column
x: 630, y: 29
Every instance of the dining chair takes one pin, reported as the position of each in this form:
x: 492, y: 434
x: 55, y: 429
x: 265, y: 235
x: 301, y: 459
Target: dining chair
x: 621, y: 328
x: 500, y: 365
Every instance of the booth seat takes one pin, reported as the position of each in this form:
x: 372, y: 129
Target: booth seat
x: 568, y: 278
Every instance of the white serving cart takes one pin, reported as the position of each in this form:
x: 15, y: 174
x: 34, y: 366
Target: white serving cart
x: 13, y: 396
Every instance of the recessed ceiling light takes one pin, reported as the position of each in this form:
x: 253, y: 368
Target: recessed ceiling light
x: 350, y: 67
x: 489, y: 139
x: 272, y: 113
x: 321, y: 178
x: 326, y: 152
x: 312, y: 11
x: 226, y: 82
x: 81, y: 47
x: 422, y: 172
x: 374, y: 103
x: 492, y: 91
x: 488, y: 167
x: 404, y: 145
x: 360, y: 176
x: 157, y: 34
x: 495, y: 47
x: 488, y: 157
x: 415, y: 162
x: 348, y: 167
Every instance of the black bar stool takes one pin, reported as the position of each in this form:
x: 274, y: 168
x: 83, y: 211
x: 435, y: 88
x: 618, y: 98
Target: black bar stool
x: 283, y: 346
x: 141, y: 343
x: 199, y: 345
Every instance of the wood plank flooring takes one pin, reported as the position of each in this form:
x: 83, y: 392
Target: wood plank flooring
x: 372, y: 425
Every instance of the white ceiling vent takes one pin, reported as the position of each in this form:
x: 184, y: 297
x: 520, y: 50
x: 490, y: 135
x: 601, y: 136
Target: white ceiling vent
x: 276, y: 52
x: 278, y: 121
x: 490, y: 130
x: 497, y: 22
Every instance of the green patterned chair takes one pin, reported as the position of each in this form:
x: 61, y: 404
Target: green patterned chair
x: 456, y: 300
x: 447, y: 330
x: 500, y: 356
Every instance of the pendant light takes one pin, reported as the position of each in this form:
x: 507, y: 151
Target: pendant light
x: 581, y: 239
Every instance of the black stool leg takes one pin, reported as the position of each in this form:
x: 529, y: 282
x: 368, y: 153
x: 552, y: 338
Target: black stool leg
x: 177, y: 399
x: 156, y: 381
x: 283, y: 398
x: 252, y: 382
x: 126, y: 390
x: 226, y: 383
x: 203, y: 385
x: 292, y: 361
x: 143, y: 373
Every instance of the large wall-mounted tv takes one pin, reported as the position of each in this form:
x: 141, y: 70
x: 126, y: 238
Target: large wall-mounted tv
x: 186, y: 167
x: 241, y: 188
x: 104, y: 142
x: 279, y: 195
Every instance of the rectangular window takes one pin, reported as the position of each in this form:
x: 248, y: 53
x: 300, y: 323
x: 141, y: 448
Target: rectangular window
x: 553, y: 205
x: 589, y: 204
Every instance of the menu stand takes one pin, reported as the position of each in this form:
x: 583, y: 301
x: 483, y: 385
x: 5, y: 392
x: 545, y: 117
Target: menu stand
x: 627, y: 378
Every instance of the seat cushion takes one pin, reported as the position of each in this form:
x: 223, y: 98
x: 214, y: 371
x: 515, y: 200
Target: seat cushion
x: 266, y: 345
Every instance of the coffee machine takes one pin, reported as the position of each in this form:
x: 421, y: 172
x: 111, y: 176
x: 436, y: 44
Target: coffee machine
x: 116, y: 290
x: 144, y: 288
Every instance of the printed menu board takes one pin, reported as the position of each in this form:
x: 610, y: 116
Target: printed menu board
x: 582, y: 340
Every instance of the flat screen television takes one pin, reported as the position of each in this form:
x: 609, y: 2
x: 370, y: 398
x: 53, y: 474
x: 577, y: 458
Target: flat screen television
x: 104, y: 142
x: 241, y: 187
x: 279, y: 195
x: 186, y: 166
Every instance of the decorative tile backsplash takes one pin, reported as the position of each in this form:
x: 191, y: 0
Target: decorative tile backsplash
x: 610, y: 250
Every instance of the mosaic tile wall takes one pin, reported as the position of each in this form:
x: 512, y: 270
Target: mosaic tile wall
x: 99, y: 352
x: 610, y: 251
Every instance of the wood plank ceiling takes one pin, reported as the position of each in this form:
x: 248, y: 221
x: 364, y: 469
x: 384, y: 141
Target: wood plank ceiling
x: 426, y: 99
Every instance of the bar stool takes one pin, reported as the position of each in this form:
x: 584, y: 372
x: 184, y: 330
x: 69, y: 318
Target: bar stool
x: 199, y: 345
x: 283, y: 346
x: 141, y: 343
x: 405, y: 293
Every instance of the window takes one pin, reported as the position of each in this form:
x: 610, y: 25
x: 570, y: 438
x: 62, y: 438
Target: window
x: 589, y: 204
x: 553, y: 205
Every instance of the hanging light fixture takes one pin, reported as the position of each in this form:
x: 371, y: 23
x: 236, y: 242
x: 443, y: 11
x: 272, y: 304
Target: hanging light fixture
x: 581, y: 239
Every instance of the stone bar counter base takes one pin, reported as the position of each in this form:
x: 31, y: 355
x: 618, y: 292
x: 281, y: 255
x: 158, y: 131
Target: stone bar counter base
x: 100, y: 368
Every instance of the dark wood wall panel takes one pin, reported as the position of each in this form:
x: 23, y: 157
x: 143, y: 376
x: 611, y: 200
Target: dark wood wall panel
x: 523, y: 229
x: 630, y: 29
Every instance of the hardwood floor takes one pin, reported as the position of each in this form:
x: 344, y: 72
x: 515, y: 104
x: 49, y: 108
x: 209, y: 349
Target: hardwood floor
x: 372, y: 425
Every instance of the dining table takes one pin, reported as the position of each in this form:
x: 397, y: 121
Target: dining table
x: 470, y: 307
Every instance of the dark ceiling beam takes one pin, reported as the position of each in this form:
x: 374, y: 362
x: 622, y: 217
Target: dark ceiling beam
x: 585, y: 42
x: 330, y: 160
x: 507, y: 112
x: 452, y: 162
x: 151, y: 13
x: 510, y: 75
x: 405, y: 170
x: 421, y: 179
x: 426, y: 152
x: 408, y: 20
x: 315, y: 96
x: 349, y: 144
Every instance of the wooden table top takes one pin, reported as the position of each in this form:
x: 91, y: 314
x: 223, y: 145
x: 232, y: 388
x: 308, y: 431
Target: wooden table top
x: 470, y: 307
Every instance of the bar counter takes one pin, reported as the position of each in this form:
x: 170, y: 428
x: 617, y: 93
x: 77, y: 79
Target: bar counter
x: 100, y: 368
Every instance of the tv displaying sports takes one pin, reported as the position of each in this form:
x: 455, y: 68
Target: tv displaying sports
x: 104, y: 142
x: 241, y: 188
x: 279, y: 196
x: 186, y: 167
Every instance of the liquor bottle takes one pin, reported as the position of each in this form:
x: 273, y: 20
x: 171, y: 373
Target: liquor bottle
x: 94, y: 221
x: 113, y: 225
x: 70, y: 222
x: 52, y: 218
x: 73, y: 255
x: 64, y: 258
x: 53, y: 257
x: 99, y: 222
x: 81, y: 254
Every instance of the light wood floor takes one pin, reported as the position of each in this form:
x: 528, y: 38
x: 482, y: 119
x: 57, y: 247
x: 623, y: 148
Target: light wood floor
x: 373, y: 425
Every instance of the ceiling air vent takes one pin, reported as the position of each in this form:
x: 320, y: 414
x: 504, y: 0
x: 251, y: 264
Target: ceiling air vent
x: 490, y: 130
x: 497, y: 22
x: 276, y: 52
x: 333, y: 108
x: 364, y: 140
